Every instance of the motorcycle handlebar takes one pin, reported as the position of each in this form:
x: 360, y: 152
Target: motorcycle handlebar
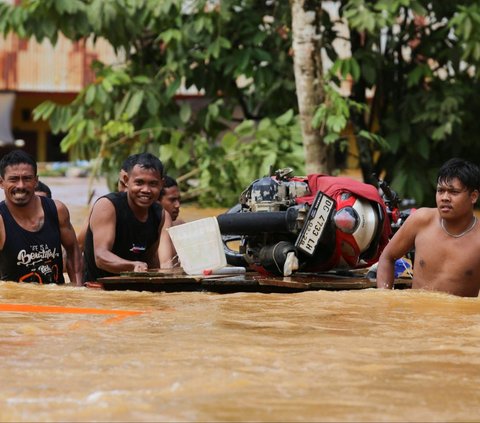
x: 391, y: 197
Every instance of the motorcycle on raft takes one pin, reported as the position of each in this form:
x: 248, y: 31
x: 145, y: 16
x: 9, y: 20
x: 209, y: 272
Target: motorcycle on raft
x: 285, y: 224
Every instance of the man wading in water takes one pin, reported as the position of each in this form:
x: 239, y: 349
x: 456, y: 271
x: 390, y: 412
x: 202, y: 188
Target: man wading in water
x: 446, y: 239
x: 170, y: 199
x: 124, y: 228
x: 33, y: 229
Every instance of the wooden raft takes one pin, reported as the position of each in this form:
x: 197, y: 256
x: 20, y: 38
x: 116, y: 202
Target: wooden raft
x: 175, y: 280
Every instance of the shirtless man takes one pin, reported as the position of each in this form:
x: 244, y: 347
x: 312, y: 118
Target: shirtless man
x: 126, y: 228
x: 33, y: 229
x: 446, y: 239
x: 170, y: 199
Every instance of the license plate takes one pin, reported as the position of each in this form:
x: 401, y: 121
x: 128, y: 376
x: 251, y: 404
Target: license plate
x: 315, y: 223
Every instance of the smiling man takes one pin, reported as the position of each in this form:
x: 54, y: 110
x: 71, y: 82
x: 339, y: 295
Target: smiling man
x: 33, y: 229
x: 126, y: 228
x: 446, y: 239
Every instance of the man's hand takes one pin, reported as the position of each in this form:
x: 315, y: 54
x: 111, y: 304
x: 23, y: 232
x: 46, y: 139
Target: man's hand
x: 139, y: 266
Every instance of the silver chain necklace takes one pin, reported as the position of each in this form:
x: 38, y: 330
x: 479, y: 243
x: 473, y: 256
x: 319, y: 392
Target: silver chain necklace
x: 466, y: 231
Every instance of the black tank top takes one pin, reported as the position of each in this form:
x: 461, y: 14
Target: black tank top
x: 133, y: 238
x: 32, y: 256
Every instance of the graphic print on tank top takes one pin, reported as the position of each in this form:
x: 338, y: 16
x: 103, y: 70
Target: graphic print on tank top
x: 40, y: 260
x: 137, y: 249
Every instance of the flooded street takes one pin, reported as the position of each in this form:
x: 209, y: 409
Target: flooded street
x: 315, y: 356
x: 77, y: 354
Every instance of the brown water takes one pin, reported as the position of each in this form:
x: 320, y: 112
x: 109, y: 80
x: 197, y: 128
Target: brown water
x: 316, y: 356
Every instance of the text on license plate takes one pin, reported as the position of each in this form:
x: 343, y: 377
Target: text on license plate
x: 315, y: 224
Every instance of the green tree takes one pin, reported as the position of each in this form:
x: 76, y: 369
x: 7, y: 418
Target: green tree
x: 413, y: 70
x: 235, y: 53
x: 421, y: 61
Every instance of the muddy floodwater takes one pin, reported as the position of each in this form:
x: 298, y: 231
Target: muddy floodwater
x: 78, y: 354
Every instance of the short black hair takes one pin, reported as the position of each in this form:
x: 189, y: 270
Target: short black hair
x: 41, y: 187
x: 168, y: 182
x: 144, y: 160
x: 17, y: 157
x: 467, y: 172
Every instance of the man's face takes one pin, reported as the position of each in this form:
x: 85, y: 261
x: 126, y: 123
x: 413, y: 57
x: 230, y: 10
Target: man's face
x: 171, y: 201
x: 19, y: 184
x: 453, y: 198
x: 143, y: 186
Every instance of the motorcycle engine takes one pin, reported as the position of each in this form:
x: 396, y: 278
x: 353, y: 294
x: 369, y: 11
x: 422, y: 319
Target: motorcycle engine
x: 270, y: 194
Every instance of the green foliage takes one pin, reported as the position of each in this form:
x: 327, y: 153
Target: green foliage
x: 169, y: 45
x: 250, y: 150
x: 466, y: 25
x: 334, y: 116
x: 413, y: 71
x: 420, y: 60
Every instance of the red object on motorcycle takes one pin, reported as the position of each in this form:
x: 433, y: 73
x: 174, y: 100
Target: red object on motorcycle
x: 357, y: 222
x: 395, y: 215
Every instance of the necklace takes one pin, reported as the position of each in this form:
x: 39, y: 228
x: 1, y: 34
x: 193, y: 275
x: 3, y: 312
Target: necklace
x: 466, y: 231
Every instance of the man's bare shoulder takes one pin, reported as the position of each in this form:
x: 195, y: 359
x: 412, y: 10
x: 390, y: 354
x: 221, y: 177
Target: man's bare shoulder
x: 102, y: 203
x: 61, y: 207
x: 422, y: 215
x: 103, y: 208
x: 63, y: 212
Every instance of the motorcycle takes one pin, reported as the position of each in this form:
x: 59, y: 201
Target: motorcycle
x: 285, y: 224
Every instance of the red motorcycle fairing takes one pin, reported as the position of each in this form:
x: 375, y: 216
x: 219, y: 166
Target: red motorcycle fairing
x: 353, y: 200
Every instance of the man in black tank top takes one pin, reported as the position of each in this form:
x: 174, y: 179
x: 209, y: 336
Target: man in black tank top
x: 33, y: 229
x: 126, y: 229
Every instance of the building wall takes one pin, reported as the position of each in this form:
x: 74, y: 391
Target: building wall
x: 36, y: 72
x: 28, y: 66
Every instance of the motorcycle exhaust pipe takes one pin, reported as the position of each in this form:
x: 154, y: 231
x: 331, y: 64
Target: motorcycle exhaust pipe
x: 253, y: 223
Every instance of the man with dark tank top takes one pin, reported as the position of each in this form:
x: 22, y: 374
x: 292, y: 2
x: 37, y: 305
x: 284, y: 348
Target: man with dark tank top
x: 33, y: 228
x: 127, y: 230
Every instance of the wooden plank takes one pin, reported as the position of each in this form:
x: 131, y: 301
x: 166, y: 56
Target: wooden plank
x: 176, y: 271
x: 287, y: 282
x: 177, y: 280
x: 317, y: 283
x: 152, y: 279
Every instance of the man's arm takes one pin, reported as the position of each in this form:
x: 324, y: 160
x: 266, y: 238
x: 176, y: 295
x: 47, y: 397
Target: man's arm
x: 69, y: 242
x: 82, y: 233
x: 385, y: 269
x: 102, y: 224
x: 152, y: 253
x: 2, y: 233
x: 401, y: 243
x: 166, y: 250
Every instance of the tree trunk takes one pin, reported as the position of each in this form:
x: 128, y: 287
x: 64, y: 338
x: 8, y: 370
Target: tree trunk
x: 358, y: 94
x: 309, y: 81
